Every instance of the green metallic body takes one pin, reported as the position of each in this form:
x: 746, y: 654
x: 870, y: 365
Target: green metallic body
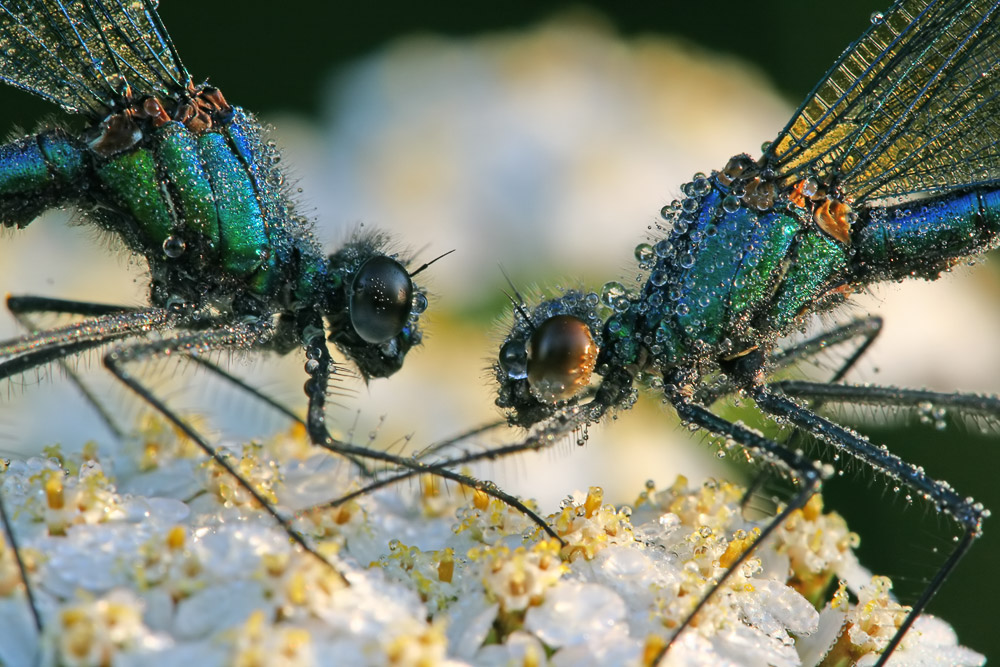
x: 211, y: 221
x: 734, y: 278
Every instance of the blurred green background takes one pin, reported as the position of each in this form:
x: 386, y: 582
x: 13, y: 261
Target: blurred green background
x: 277, y: 60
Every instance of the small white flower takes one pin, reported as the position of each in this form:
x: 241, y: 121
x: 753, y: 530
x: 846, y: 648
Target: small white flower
x: 215, y: 581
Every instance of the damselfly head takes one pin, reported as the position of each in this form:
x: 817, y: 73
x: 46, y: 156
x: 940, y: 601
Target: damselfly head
x: 549, y: 356
x: 373, y: 307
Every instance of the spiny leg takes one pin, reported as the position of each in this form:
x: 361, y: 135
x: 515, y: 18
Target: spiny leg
x: 8, y: 530
x: 968, y: 514
x: 804, y: 471
x: 418, y: 464
x: 461, y: 437
x: 865, y: 328
x: 25, y: 305
x: 21, y: 307
x: 23, y: 354
x: 278, y: 407
x: 894, y: 397
x: 411, y: 467
x: 28, y: 304
x: 28, y: 352
x: 239, y: 336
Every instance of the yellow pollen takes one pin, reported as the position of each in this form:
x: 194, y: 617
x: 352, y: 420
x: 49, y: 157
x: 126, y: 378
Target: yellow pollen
x: 595, y: 496
x: 175, y: 538
x: 54, y: 492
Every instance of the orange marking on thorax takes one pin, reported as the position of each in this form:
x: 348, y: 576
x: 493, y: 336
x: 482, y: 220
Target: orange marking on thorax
x: 831, y: 216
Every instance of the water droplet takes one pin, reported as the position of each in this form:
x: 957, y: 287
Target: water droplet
x: 174, y: 246
x: 419, y: 304
x: 810, y: 187
x: 701, y: 186
x: 644, y: 253
x: 611, y: 292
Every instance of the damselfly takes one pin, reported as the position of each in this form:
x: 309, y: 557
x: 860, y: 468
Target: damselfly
x: 887, y: 171
x: 189, y: 183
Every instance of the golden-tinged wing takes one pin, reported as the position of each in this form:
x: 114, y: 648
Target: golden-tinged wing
x: 912, y: 106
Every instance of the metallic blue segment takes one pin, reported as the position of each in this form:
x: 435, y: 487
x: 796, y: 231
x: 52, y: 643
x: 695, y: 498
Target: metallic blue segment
x: 990, y: 202
x: 37, y: 173
x: 244, y: 138
x: 718, y: 247
x: 312, y: 279
x: 925, y: 237
x: 242, y: 235
x: 63, y: 156
x: 177, y: 152
x: 23, y: 168
x: 260, y: 160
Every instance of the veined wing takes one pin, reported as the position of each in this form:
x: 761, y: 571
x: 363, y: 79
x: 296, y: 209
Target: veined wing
x: 85, y: 55
x: 912, y: 106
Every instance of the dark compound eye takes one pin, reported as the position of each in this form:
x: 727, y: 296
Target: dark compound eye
x: 381, y: 299
x: 561, y: 358
x: 514, y: 359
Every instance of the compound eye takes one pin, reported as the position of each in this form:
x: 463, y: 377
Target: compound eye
x: 514, y: 360
x: 561, y: 358
x: 381, y: 299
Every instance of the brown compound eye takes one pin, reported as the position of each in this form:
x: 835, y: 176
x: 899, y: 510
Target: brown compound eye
x: 561, y: 358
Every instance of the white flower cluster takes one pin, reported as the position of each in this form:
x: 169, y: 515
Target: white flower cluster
x: 447, y: 576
